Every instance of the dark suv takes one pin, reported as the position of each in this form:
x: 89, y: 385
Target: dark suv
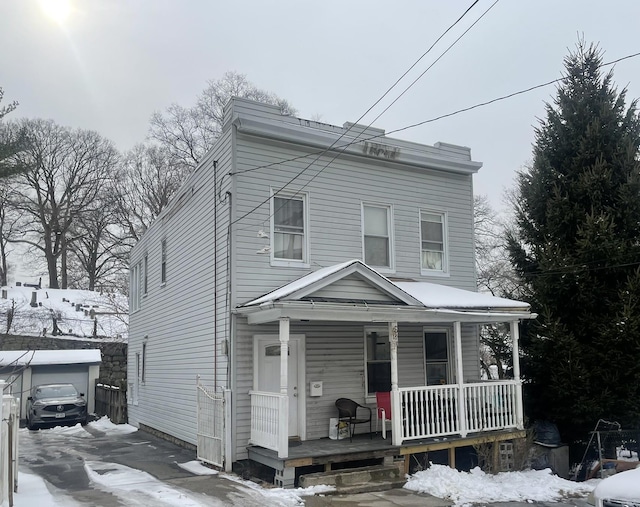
x: 55, y: 404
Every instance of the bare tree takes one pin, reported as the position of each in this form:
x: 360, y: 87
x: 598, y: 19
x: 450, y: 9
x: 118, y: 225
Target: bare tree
x: 494, y: 275
x: 97, y: 249
x: 67, y: 169
x: 147, y: 178
x: 8, y: 226
x: 189, y: 132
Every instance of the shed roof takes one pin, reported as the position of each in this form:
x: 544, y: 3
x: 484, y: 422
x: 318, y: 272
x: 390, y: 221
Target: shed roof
x: 45, y: 357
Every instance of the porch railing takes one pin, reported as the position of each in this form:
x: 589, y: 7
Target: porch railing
x: 434, y: 411
x: 492, y: 405
x: 270, y: 421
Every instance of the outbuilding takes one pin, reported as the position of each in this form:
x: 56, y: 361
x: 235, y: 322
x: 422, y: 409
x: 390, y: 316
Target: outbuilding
x: 23, y: 369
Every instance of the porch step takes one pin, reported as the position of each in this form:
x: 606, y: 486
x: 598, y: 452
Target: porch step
x: 358, y: 480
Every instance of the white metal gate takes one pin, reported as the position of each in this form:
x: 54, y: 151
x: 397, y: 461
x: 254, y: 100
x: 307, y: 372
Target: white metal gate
x: 212, y: 434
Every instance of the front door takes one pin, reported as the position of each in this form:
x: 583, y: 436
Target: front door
x: 268, y: 374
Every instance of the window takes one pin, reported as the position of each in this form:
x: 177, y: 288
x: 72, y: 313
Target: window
x: 377, y: 238
x: 144, y: 361
x: 378, y: 354
x: 433, y: 241
x: 163, y: 265
x: 135, y: 295
x: 436, y: 349
x: 289, y: 225
x: 145, y: 266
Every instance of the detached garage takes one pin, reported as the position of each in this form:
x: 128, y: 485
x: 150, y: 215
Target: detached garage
x: 22, y: 369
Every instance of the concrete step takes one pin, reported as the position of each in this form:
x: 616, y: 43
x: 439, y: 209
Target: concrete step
x: 358, y: 480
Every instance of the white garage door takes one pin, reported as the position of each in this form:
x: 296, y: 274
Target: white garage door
x: 62, y: 374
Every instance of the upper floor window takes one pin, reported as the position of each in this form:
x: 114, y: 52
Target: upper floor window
x: 290, y: 230
x: 433, y: 244
x: 377, y: 236
x: 163, y: 261
x: 136, y: 282
x: 145, y: 266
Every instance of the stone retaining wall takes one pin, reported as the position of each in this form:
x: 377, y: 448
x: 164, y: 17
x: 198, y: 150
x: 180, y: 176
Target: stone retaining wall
x: 113, y: 369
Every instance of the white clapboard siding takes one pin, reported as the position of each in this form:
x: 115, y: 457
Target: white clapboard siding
x: 176, y: 320
x: 335, y: 356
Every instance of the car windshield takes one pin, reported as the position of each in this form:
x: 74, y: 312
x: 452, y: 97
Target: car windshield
x: 43, y: 392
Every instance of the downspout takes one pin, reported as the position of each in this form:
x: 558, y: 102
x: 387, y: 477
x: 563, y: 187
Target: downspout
x: 215, y: 275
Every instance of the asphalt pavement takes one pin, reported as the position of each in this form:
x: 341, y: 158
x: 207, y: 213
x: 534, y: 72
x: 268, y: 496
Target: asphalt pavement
x: 64, y: 457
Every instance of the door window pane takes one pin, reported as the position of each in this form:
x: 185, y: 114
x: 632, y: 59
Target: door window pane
x: 378, y: 361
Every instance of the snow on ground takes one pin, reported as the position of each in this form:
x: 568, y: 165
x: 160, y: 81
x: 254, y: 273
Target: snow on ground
x: 197, y: 468
x: 105, y: 425
x: 110, y: 312
x: 33, y: 490
x: 474, y: 487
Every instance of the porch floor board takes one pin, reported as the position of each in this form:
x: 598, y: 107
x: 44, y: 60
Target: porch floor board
x: 326, y: 451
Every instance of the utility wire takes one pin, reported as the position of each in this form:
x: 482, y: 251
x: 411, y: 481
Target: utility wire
x: 300, y: 173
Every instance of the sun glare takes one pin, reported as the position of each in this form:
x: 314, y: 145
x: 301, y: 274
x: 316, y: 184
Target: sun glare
x: 57, y: 10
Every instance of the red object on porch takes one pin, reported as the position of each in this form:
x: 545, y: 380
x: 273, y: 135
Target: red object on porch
x: 348, y: 412
x: 383, y: 404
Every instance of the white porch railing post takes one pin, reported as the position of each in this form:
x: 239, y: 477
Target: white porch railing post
x: 515, y: 337
x: 462, y: 417
x: 283, y: 423
x: 396, y: 415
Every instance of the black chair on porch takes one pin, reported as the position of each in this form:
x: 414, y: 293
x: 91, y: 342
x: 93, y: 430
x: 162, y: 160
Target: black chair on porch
x: 348, y: 412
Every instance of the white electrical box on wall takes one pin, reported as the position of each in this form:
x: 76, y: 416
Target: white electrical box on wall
x: 315, y: 388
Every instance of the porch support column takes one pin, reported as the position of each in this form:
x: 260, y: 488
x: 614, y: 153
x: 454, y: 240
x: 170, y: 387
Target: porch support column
x: 515, y: 338
x: 462, y: 403
x: 396, y: 418
x: 283, y: 412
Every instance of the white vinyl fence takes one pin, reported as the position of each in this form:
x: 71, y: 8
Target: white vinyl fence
x: 9, y: 422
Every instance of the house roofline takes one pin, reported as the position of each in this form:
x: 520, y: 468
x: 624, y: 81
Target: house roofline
x: 361, y: 312
x: 373, y: 145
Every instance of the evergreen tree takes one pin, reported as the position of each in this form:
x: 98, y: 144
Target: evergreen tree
x: 576, y: 247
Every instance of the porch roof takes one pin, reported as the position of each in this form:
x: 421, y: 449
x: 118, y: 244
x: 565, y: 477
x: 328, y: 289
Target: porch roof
x: 406, y: 301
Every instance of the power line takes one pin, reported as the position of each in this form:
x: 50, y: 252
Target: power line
x: 300, y: 173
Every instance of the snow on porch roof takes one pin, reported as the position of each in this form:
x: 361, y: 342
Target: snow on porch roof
x: 42, y: 357
x: 431, y: 295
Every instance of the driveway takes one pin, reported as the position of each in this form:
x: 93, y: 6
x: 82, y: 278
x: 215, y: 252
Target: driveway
x: 104, y: 465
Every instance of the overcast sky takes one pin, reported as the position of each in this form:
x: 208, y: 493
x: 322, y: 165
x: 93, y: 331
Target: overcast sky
x: 111, y: 63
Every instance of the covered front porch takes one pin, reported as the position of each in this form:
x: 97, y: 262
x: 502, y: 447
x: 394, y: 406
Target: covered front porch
x: 459, y: 405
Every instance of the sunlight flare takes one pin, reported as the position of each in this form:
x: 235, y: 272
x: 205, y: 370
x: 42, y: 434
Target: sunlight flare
x: 56, y: 10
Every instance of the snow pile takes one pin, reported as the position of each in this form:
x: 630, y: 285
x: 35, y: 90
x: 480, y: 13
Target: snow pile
x: 197, y: 468
x: 105, y: 425
x: 78, y: 313
x: 473, y: 487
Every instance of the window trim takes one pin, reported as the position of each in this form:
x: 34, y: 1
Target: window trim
x: 295, y: 263
x: 449, y: 363
x: 135, y: 292
x: 445, y: 243
x: 163, y: 261
x: 370, y: 397
x: 145, y: 275
x: 143, y: 371
x: 391, y: 268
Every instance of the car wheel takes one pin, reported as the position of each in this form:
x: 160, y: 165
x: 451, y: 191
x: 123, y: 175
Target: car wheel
x: 31, y: 426
x: 84, y: 422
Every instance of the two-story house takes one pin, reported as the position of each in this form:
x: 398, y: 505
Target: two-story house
x: 301, y: 263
